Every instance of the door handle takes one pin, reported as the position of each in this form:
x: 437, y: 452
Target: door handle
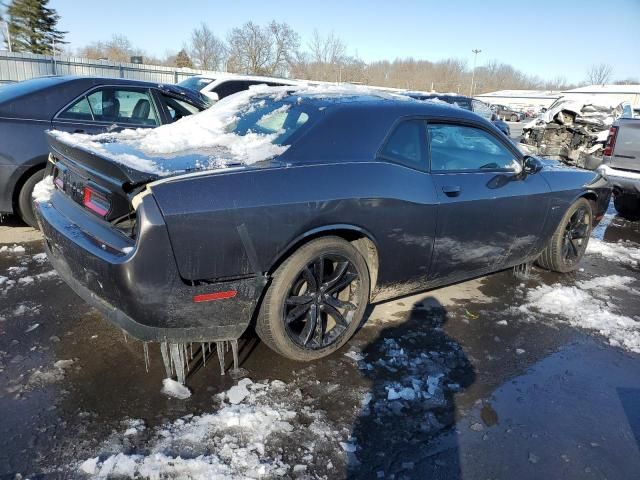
x: 451, y: 190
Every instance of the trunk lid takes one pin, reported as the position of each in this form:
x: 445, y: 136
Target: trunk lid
x: 626, y: 151
x: 106, y: 182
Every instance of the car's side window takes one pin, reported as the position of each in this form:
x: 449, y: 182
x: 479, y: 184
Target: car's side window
x: 459, y: 147
x: 80, y: 110
x: 404, y: 145
x: 120, y: 105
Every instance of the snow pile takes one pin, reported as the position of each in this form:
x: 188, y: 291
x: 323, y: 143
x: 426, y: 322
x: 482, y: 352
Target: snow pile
x: 148, y: 150
x: 50, y: 375
x: 586, y: 305
x: 624, y: 252
x: 238, y: 441
x: 14, y: 249
x: 43, y: 190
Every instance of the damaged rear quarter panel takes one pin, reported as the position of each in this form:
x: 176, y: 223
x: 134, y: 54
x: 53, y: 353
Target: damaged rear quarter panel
x: 242, y: 223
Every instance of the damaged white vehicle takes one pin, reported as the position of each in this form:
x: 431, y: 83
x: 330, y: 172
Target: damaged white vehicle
x: 571, y: 131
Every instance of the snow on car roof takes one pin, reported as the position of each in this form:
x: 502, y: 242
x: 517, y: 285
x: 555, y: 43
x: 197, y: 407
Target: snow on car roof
x: 148, y: 150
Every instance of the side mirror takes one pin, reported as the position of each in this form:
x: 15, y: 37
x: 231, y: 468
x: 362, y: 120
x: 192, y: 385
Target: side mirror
x: 532, y: 165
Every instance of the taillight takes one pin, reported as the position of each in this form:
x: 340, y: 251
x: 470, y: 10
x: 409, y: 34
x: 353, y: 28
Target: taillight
x: 58, y: 177
x: 611, y: 142
x: 96, y: 201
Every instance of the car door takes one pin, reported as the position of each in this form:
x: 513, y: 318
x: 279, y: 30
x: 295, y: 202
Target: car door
x: 108, y: 108
x: 490, y: 215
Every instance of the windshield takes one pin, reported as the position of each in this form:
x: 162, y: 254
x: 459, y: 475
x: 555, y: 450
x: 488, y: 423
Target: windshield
x: 196, y: 83
x: 271, y: 117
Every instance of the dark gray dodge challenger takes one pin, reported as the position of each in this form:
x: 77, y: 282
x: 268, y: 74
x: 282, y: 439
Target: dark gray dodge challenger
x: 297, y: 209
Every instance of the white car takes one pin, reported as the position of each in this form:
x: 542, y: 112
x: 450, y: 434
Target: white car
x: 218, y: 87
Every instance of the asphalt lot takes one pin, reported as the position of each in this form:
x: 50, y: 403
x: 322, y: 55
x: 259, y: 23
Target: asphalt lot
x: 507, y: 390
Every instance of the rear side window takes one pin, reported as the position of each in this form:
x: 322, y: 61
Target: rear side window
x: 459, y: 147
x: 123, y: 106
x: 405, y: 144
x: 81, y: 110
x: 117, y: 105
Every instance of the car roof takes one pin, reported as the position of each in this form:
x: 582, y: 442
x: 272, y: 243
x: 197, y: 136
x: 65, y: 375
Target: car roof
x: 358, y: 123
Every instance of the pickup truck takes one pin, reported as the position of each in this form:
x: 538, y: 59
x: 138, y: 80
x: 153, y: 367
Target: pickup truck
x: 621, y: 164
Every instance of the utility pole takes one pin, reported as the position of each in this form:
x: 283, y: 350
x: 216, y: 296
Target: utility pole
x: 475, y: 51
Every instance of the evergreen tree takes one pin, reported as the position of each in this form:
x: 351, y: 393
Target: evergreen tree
x: 183, y: 60
x: 32, y: 26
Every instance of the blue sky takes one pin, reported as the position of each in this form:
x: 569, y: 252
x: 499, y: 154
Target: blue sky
x: 541, y: 37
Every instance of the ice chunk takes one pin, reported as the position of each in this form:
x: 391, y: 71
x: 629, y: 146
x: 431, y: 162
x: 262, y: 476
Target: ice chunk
x: 175, y: 389
x: 355, y: 356
x: 89, y: 466
x: 348, y: 447
x: 239, y: 392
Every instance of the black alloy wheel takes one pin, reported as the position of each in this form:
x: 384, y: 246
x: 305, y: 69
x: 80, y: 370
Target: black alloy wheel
x: 316, y: 300
x: 576, y: 234
x: 321, y: 302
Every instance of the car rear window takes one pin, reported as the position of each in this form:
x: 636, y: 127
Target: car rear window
x: 196, y: 83
x: 268, y: 117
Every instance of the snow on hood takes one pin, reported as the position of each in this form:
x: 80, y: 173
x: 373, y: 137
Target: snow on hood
x: 150, y: 150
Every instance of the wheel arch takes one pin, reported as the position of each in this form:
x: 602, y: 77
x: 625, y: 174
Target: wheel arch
x: 22, y: 179
x: 359, y: 237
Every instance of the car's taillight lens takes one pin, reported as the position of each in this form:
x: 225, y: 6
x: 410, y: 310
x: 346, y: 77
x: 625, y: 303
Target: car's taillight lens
x: 611, y: 141
x: 58, y: 178
x: 96, y: 202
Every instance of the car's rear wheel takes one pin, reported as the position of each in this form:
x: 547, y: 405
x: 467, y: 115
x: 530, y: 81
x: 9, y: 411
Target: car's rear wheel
x: 316, y: 300
x: 25, y: 202
x: 514, y: 118
x: 627, y: 205
x: 569, y: 242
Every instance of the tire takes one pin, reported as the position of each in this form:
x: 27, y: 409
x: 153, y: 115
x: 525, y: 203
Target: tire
x: 293, y: 284
x: 25, y: 202
x: 627, y: 205
x: 569, y: 242
x: 514, y: 118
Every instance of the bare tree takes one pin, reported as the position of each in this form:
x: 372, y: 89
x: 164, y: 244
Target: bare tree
x: 268, y: 50
x: 206, y: 50
x: 117, y: 49
x: 599, y: 74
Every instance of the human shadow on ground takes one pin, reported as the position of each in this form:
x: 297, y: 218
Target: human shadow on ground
x: 406, y: 428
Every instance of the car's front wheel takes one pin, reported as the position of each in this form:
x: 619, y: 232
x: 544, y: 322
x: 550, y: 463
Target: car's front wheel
x: 25, y: 202
x: 627, y: 205
x: 569, y: 242
x: 514, y: 118
x: 316, y: 300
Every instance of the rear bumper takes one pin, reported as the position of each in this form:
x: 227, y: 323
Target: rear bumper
x: 136, y: 285
x: 621, y: 180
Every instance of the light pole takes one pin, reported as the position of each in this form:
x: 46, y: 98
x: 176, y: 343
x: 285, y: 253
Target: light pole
x: 6, y: 34
x: 475, y: 51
